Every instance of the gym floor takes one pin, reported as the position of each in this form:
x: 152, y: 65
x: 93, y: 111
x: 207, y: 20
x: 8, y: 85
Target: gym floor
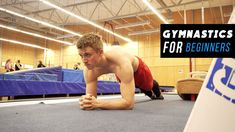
x: 169, y: 115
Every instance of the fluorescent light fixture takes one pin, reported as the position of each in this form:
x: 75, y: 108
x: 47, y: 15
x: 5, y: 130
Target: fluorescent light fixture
x: 170, y: 20
x: 227, y: 14
x: 155, y: 11
x: 85, y: 20
x: 141, y: 23
x: 40, y: 22
x: 23, y: 43
x: 65, y: 36
x: 33, y: 34
x: 232, y: 18
x: 143, y: 32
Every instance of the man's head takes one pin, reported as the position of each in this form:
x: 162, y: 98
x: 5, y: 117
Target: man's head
x: 90, y: 47
x: 90, y: 40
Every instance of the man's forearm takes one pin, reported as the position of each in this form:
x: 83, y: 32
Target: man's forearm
x: 120, y: 104
x: 91, y: 91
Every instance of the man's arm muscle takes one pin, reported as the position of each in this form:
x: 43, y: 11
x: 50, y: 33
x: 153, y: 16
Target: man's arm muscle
x: 91, y: 83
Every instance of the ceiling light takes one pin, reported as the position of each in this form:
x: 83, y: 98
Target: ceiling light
x: 141, y: 23
x: 227, y: 14
x: 232, y: 18
x: 33, y: 34
x: 143, y: 32
x: 23, y: 43
x: 170, y: 20
x: 155, y: 11
x: 40, y: 22
x: 65, y: 36
x: 85, y: 20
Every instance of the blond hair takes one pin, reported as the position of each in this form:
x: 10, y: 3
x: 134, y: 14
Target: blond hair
x: 90, y: 40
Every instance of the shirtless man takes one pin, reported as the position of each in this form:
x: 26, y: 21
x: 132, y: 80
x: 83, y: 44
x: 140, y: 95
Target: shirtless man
x: 129, y: 69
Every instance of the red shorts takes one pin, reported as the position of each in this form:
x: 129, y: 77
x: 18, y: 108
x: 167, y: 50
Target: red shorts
x: 143, y: 77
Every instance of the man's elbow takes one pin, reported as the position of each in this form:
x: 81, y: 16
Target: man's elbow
x: 129, y: 105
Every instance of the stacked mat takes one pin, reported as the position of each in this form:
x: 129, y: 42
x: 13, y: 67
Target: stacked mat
x: 45, y: 81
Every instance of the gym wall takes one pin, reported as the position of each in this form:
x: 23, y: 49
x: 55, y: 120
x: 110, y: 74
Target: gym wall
x: 166, y: 71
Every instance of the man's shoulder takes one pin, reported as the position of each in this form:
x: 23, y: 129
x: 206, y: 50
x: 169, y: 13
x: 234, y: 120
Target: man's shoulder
x: 115, y: 48
x: 116, y: 53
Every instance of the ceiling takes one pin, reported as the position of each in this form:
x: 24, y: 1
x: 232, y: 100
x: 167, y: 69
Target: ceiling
x: 116, y: 12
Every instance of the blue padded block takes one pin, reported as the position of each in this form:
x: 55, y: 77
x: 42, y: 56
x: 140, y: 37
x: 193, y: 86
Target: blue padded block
x: 1, y: 76
x: 73, y: 76
x: 18, y: 77
x: 44, y: 77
